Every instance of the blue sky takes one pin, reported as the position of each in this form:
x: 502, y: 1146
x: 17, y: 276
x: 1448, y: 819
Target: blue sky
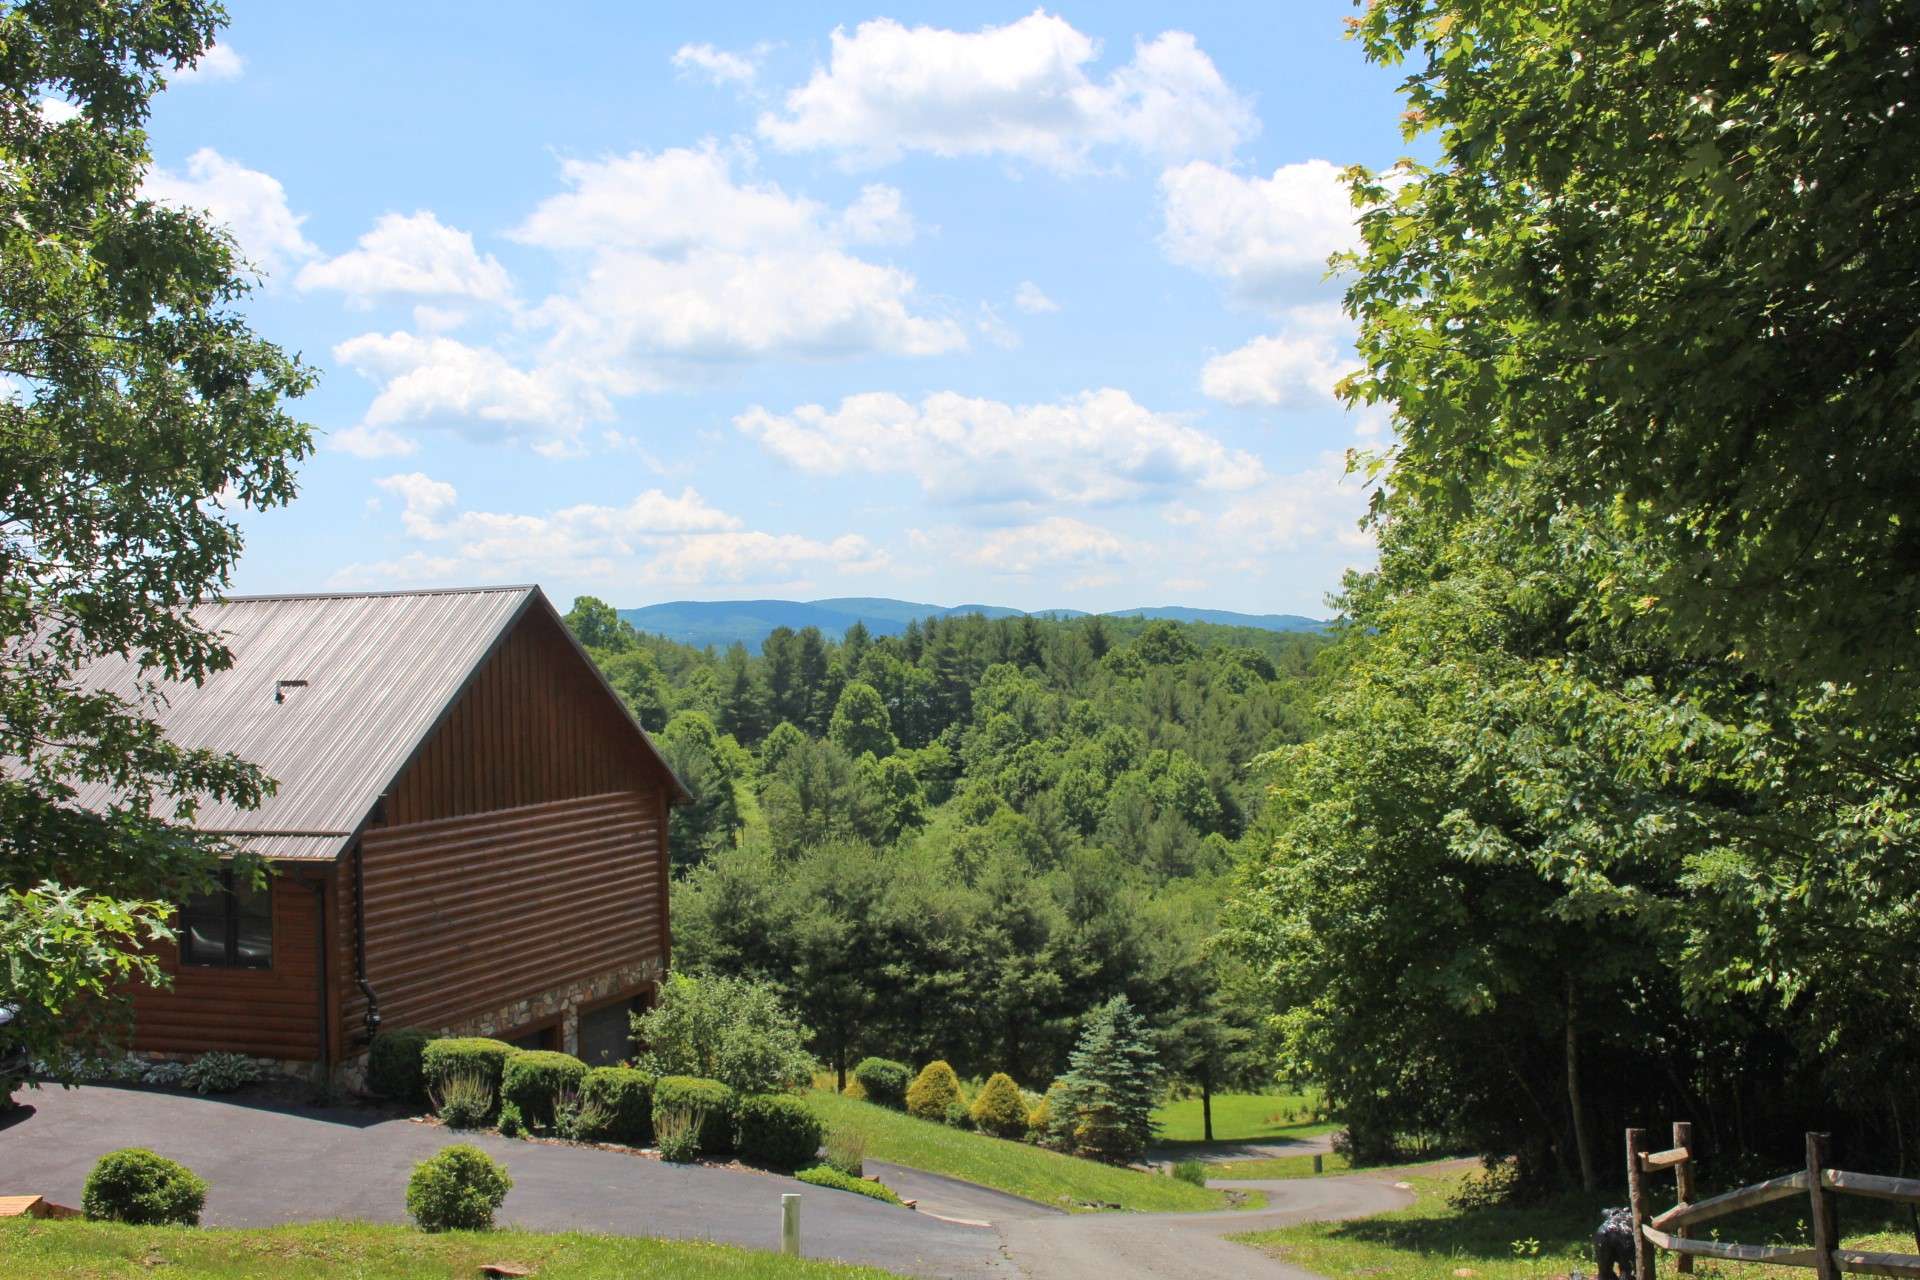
x: 945, y: 302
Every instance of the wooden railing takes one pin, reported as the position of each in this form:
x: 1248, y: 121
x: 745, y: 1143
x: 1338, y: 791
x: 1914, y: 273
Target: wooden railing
x: 1673, y: 1229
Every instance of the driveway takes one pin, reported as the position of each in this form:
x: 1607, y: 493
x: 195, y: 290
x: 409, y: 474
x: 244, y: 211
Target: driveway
x: 1189, y: 1246
x: 270, y: 1164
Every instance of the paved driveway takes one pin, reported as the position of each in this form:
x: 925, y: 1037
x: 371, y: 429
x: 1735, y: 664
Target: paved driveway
x: 269, y: 1165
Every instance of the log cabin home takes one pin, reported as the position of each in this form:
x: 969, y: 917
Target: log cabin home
x: 469, y: 833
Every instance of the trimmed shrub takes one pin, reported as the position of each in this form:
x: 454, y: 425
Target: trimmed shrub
x: 510, y: 1122
x: 998, y: 1108
x: 533, y: 1078
x: 134, y: 1185
x: 624, y: 1095
x: 777, y: 1130
x: 958, y: 1117
x: 457, y: 1189
x: 393, y: 1065
x: 441, y: 1060
x: 934, y: 1090
x: 824, y: 1176
x: 883, y: 1081
x: 713, y: 1100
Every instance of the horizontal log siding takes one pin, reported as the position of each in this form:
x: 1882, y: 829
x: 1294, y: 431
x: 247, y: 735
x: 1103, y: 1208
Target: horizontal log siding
x: 466, y: 915
x: 266, y: 1013
x: 535, y: 725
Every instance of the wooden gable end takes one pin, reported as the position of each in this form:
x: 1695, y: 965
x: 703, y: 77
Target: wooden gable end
x: 534, y: 726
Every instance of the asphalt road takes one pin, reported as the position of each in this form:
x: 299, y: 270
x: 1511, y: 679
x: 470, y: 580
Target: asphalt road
x: 1188, y: 1246
x: 268, y: 1165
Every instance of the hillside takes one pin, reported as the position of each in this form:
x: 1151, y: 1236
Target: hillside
x: 749, y: 622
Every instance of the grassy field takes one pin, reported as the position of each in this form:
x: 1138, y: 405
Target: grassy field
x: 73, y: 1250
x: 1242, y: 1117
x: 1014, y: 1167
x: 1431, y: 1240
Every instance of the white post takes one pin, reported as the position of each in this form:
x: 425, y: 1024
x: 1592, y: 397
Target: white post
x: 790, y: 1224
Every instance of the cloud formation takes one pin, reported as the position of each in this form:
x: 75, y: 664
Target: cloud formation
x: 1295, y: 368
x: 1096, y: 448
x: 657, y: 539
x: 411, y: 254
x: 1268, y: 239
x: 1021, y: 90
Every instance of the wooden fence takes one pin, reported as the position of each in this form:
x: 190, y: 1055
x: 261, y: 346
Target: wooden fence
x: 1673, y: 1230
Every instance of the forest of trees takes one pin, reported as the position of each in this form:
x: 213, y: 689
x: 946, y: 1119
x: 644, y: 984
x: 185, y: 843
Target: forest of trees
x: 955, y: 842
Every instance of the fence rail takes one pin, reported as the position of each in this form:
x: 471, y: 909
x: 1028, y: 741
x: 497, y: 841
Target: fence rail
x: 1669, y: 1230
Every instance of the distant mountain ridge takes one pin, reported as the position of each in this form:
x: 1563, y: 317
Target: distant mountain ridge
x: 722, y: 622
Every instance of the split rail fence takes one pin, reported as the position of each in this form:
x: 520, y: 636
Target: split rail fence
x: 1673, y: 1230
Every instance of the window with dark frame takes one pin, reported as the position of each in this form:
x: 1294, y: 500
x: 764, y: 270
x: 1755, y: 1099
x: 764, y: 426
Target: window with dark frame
x: 230, y: 928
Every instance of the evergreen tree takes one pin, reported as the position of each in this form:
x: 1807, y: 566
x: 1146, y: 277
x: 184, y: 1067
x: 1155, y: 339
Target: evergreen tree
x: 1105, y: 1105
x: 743, y: 704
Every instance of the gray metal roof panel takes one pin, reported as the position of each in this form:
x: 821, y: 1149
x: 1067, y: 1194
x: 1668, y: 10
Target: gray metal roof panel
x: 379, y: 669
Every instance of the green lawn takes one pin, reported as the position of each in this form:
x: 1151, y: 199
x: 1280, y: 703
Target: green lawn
x: 1431, y: 1240
x: 39, y: 1250
x: 1278, y: 1167
x: 1014, y: 1167
x: 1242, y: 1117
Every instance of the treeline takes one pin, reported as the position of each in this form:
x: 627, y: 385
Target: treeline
x: 955, y: 842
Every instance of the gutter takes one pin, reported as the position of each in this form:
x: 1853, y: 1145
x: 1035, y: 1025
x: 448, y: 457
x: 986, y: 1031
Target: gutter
x: 360, y: 943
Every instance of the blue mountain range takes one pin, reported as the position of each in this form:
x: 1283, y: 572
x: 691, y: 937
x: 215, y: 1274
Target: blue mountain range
x: 722, y: 622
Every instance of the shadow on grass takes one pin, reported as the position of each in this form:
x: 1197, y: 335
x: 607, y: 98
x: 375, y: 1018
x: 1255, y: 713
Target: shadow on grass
x: 1562, y: 1224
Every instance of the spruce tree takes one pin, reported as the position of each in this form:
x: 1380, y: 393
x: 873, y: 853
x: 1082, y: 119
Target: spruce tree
x: 1104, y: 1109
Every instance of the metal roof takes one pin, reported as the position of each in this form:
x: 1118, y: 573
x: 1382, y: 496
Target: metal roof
x: 371, y: 676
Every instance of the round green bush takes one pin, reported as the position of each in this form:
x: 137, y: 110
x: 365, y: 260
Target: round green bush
x: 999, y: 1109
x: 136, y: 1186
x: 394, y: 1066
x: 884, y: 1081
x: 457, y: 1189
x: 533, y: 1078
x: 473, y: 1056
x: 625, y: 1096
x: 777, y: 1130
x: 713, y: 1099
x: 934, y: 1090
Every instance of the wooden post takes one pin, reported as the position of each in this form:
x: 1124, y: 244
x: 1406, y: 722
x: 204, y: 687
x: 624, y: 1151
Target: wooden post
x: 1826, y: 1222
x: 1637, y: 1202
x: 1317, y: 1167
x: 790, y: 1224
x: 1683, y: 1180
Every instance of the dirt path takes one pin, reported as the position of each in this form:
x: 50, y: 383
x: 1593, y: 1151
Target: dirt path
x: 1189, y: 1246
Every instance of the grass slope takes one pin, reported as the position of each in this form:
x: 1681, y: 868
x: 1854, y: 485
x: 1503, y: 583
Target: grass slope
x: 1278, y: 1167
x: 1013, y: 1167
x: 1241, y: 1117
x: 1432, y: 1240
x: 74, y: 1250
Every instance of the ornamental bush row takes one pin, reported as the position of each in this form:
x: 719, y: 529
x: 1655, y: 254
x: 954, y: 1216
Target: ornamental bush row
x: 998, y: 1108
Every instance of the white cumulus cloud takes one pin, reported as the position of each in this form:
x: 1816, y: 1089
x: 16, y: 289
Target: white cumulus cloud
x: 879, y: 216
x: 249, y: 203
x: 427, y: 378
x: 1021, y: 90
x: 1058, y: 542
x: 219, y: 62
x: 1268, y: 238
x: 411, y: 254
x: 719, y: 66
x: 1100, y: 447
x: 657, y: 539
x: 1294, y: 368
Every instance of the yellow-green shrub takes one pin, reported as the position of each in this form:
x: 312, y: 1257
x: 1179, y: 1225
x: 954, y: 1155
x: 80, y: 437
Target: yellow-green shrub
x: 933, y: 1091
x: 998, y: 1108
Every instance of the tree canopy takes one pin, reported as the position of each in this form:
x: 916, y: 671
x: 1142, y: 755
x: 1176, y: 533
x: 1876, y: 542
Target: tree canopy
x: 139, y: 411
